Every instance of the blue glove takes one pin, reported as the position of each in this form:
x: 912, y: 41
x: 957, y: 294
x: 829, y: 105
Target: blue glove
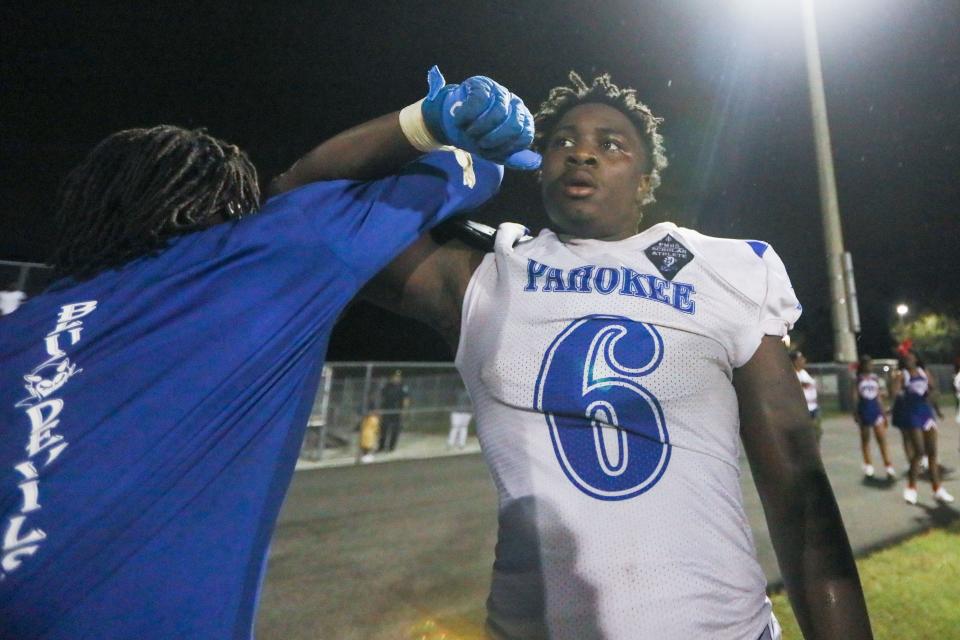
x: 482, y: 117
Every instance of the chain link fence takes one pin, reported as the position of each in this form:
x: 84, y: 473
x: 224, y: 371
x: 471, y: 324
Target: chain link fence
x: 29, y: 277
x: 349, y: 390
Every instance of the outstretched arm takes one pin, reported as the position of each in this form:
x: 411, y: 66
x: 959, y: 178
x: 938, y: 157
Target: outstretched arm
x: 477, y: 115
x: 802, y: 514
x: 365, y: 152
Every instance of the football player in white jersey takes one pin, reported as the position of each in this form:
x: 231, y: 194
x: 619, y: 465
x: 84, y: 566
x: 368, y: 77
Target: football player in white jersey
x: 614, y: 372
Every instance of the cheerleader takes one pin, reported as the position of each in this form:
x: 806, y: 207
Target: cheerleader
x: 869, y: 415
x: 913, y: 415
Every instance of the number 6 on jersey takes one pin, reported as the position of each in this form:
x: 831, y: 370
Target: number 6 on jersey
x: 608, y: 430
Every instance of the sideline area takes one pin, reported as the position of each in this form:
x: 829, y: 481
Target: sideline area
x: 411, y: 446
x: 383, y: 551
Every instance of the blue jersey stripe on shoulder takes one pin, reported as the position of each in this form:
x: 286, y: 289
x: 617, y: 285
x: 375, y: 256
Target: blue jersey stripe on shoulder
x: 758, y: 247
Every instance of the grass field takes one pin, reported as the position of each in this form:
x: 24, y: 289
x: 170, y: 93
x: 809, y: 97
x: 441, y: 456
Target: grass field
x: 912, y: 590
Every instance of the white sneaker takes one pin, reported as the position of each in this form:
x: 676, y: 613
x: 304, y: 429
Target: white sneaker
x: 891, y: 471
x: 924, y: 463
x: 367, y: 458
x: 941, y: 495
x: 910, y: 495
x: 868, y: 470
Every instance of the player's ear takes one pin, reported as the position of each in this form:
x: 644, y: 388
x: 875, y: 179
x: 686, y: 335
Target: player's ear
x: 643, y: 188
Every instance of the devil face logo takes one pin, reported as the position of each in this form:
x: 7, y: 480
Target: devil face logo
x: 47, y: 378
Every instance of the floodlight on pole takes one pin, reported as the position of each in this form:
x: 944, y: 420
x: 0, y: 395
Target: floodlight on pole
x: 844, y: 342
x: 844, y: 318
x: 902, y: 311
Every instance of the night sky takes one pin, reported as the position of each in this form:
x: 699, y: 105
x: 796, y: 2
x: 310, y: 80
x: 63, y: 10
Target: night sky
x: 278, y: 78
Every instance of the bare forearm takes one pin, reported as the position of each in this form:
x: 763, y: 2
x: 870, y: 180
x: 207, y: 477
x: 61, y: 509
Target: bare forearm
x: 802, y: 514
x: 365, y: 152
x: 815, y: 558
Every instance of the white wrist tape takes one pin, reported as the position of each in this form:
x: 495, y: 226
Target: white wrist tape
x: 415, y: 128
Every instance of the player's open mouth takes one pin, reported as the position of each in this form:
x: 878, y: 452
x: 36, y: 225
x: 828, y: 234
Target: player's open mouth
x: 579, y: 184
x: 578, y: 191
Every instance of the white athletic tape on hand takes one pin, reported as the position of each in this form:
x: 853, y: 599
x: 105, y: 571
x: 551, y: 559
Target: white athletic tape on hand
x: 465, y: 160
x: 415, y: 128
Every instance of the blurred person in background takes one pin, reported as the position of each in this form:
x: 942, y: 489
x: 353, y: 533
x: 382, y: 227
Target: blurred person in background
x: 868, y: 413
x: 956, y: 387
x: 914, y: 416
x: 460, y: 422
x: 369, y: 436
x: 394, y: 399
x: 11, y: 298
x: 809, y: 386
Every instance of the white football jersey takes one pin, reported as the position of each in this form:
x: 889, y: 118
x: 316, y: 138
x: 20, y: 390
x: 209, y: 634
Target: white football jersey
x: 600, y: 374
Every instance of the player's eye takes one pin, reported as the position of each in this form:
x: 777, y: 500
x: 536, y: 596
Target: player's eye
x: 612, y: 145
x: 561, y: 142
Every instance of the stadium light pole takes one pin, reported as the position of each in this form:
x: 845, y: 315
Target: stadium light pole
x: 844, y: 316
x: 844, y: 342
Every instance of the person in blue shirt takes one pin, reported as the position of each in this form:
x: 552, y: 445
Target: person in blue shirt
x: 153, y: 400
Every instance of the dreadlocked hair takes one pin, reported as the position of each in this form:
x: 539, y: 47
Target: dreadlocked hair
x: 140, y: 187
x: 562, y: 99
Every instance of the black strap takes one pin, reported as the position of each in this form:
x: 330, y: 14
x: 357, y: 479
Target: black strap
x: 474, y: 234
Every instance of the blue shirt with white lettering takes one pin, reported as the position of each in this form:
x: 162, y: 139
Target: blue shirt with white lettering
x: 150, y: 417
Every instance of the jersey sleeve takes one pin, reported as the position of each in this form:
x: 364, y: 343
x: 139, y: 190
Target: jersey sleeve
x: 778, y: 309
x: 366, y: 224
x: 481, y: 288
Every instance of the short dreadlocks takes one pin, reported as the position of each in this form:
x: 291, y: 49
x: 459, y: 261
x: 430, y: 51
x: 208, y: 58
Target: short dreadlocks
x: 139, y: 187
x: 562, y: 99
